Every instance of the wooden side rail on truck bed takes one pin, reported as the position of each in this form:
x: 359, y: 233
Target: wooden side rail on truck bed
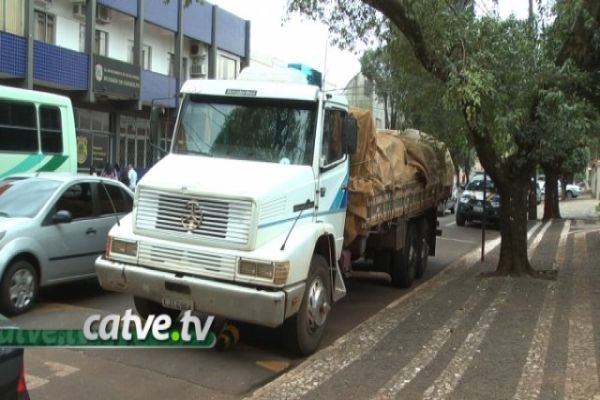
x: 410, y: 200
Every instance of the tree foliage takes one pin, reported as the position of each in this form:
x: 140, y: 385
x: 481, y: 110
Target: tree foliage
x: 505, y: 77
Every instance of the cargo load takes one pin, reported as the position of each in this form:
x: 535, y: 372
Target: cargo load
x: 393, y: 174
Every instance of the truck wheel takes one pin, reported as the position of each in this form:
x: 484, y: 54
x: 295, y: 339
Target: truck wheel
x: 460, y: 219
x: 304, y: 330
x: 19, y: 288
x: 145, y: 308
x: 404, y: 262
x: 423, y: 248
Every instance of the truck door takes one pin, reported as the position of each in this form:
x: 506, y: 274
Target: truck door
x: 332, y: 197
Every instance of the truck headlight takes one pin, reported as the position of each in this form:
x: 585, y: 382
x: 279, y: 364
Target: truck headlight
x: 273, y: 271
x: 123, y: 247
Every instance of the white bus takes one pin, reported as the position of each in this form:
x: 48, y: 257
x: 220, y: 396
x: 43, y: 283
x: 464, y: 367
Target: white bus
x: 37, y: 132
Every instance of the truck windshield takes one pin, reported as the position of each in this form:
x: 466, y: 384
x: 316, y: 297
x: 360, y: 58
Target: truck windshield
x: 271, y: 130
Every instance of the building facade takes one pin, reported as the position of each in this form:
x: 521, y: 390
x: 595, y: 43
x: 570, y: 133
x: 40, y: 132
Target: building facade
x: 118, y: 60
x: 360, y: 93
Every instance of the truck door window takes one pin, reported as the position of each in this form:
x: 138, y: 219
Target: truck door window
x: 332, y: 137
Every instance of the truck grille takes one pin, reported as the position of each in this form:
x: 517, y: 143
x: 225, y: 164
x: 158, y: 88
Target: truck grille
x: 225, y: 220
x: 187, y: 261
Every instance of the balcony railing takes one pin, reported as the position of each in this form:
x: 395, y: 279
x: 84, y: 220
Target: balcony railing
x: 13, y: 55
x: 158, y: 89
x: 60, y: 67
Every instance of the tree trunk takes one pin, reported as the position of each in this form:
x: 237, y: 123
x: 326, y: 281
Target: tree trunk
x: 513, y: 230
x: 551, y: 209
x: 386, y: 117
x: 532, y: 200
x: 457, y: 175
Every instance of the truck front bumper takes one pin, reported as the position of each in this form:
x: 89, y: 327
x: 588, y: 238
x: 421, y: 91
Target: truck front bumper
x: 254, y: 305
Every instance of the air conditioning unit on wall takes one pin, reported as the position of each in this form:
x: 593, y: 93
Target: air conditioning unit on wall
x: 103, y: 14
x: 79, y: 10
x: 43, y: 3
x: 198, y: 51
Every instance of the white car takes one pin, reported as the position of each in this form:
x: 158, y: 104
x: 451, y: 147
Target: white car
x: 52, y: 228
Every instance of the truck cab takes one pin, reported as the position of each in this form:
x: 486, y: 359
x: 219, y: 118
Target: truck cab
x: 244, y: 218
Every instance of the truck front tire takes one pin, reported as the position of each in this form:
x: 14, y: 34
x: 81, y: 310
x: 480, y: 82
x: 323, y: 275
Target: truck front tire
x: 304, y: 330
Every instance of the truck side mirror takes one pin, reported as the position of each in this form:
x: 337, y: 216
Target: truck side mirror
x: 350, y: 135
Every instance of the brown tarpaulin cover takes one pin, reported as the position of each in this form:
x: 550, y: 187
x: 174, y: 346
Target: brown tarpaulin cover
x: 386, y: 160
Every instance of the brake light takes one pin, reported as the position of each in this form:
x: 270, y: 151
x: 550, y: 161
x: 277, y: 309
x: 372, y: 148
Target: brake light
x: 21, y: 386
x: 108, y: 246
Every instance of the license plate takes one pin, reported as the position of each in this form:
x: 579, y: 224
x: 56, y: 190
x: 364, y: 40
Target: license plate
x: 177, y: 304
x: 478, y: 209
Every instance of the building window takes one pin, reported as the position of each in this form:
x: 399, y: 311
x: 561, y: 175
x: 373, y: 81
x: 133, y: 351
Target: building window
x: 146, y: 55
x: 228, y: 68
x: 45, y: 27
x: 11, y: 16
x: 100, y: 41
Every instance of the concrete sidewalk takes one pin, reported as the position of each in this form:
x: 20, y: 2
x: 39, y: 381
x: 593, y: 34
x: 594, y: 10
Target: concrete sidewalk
x: 464, y: 336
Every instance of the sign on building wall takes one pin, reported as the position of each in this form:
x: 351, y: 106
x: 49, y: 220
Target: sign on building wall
x: 116, y: 78
x: 92, y: 150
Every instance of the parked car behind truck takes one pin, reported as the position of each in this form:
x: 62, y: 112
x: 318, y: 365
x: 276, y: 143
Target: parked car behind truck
x: 256, y: 214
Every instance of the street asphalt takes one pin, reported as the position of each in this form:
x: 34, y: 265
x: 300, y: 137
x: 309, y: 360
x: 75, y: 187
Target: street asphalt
x: 456, y: 334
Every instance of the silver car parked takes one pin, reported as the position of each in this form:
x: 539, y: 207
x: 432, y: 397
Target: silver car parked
x: 52, y: 228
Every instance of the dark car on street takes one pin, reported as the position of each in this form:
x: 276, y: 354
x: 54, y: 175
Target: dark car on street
x: 12, y: 375
x: 471, y: 203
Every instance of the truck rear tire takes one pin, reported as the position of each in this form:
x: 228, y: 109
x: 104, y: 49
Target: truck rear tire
x: 304, y: 330
x: 403, y: 267
x: 423, y: 248
x: 145, y: 308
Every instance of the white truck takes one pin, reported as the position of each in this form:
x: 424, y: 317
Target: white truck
x: 245, y: 217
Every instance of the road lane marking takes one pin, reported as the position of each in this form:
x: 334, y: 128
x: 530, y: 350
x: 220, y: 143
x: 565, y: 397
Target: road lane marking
x: 34, y: 382
x: 430, y: 350
x: 60, y: 370
x: 451, y: 223
x: 447, y: 381
x: 326, y: 363
x: 532, y: 377
x: 457, y: 240
x: 581, y: 377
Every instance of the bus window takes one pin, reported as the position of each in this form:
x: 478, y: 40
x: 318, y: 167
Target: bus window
x: 50, y: 130
x: 18, y: 127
